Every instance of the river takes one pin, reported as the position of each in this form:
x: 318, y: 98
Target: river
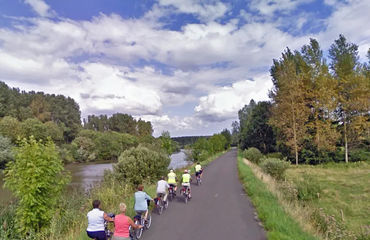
x: 85, y: 175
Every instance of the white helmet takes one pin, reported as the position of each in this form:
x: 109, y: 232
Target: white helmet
x: 171, y: 170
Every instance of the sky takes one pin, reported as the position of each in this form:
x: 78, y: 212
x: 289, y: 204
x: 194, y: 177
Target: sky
x: 187, y: 66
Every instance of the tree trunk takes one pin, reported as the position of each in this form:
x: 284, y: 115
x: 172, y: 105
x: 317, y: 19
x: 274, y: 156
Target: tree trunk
x: 345, y: 140
x: 295, y: 138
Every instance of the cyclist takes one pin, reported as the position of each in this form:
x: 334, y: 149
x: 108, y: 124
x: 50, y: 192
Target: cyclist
x: 122, y: 224
x: 162, y: 187
x: 198, y: 170
x: 95, y: 228
x: 141, y: 201
x: 186, y: 178
x: 172, y: 180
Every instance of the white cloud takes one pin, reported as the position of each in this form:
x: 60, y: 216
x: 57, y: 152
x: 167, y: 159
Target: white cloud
x: 350, y: 20
x: 206, y: 10
x: 224, y: 103
x: 269, y: 7
x: 40, y: 7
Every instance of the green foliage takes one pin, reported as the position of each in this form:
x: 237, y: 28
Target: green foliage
x: 359, y: 155
x: 10, y: 127
x: 140, y: 164
x: 63, y: 111
x: 226, y: 133
x: 167, y: 143
x: 277, y: 155
x: 6, y: 154
x: 34, y: 127
x: 119, y: 122
x: 275, y: 167
x: 36, y: 178
x: 217, y: 143
x: 254, y: 128
x: 54, y: 131
x: 109, y: 145
x: 253, y: 155
x: 84, y: 149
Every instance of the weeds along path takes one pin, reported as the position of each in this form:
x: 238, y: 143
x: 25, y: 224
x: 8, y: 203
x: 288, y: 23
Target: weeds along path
x: 219, y: 209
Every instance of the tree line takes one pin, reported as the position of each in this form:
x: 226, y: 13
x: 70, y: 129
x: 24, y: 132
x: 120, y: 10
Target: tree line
x: 318, y: 112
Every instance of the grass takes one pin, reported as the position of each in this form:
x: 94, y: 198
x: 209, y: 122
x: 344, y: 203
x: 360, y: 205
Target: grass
x: 278, y: 223
x: 345, y: 193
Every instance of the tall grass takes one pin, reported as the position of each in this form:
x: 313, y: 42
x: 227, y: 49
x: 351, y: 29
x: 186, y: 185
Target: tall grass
x: 279, y: 224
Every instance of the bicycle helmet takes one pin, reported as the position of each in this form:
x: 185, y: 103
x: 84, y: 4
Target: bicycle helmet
x: 171, y: 170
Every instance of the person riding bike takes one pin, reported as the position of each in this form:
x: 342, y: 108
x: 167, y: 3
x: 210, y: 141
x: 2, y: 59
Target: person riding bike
x: 162, y: 187
x: 141, y: 201
x: 198, y: 170
x: 95, y: 228
x: 122, y: 224
x: 172, y: 180
x: 186, y: 177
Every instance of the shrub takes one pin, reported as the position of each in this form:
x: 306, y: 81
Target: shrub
x: 6, y: 154
x: 36, y: 178
x: 253, y: 155
x: 308, y: 188
x: 275, y: 167
x: 141, y: 164
x: 359, y: 155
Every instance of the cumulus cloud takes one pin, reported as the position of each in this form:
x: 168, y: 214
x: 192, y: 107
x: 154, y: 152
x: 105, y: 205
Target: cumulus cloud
x: 223, y: 103
x: 135, y: 65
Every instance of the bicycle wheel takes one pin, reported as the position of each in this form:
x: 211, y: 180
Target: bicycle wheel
x: 160, y: 208
x: 138, y: 232
x: 148, y: 221
x: 166, y: 205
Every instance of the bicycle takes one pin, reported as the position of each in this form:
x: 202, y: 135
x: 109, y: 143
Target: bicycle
x: 171, y: 192
x: 108, y: 232
x: 199, y: 180
x: 185, y: 192
x: 160, y: 204
x: 139, y: 219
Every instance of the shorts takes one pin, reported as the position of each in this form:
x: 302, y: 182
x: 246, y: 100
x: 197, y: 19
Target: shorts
x: 186, y: 184
x: 98, y: 235
x: 161, y: 195
x: 198, y: 173
x: 172, y: 184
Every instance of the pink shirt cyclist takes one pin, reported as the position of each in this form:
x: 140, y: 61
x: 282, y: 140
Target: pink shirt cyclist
x: 122, y: 224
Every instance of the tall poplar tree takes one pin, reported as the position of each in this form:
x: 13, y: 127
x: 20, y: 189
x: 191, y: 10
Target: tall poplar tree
x: 289, y: 95
x: 352, y: 90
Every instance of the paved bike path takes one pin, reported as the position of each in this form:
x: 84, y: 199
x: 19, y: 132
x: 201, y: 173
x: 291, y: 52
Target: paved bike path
x: 218, y: 210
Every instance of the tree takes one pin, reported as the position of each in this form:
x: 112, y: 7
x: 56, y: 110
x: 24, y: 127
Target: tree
x: 352, y: 89
x: 11, y: 128
x: 289, y: 96
x: 36, y: 178
x: 166, y: 142
x: 34, y: 127
x: 226, y: 133
x: 256, y: 132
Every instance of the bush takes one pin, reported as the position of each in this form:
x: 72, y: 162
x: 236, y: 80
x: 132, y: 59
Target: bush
x: 275, y: 167
x: 359, y: 155
x: 6, y: 154
x: 253, y: 155
x: 36, y: 179
x: 308, y: 188
x: 141, y: 164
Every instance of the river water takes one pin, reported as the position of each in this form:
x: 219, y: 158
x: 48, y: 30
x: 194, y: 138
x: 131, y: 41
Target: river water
x: 85, y: 175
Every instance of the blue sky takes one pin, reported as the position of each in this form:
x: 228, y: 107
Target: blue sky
x: 187, y: 66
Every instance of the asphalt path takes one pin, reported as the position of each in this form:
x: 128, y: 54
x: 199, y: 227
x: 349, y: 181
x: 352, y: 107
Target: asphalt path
x: 219, y: 209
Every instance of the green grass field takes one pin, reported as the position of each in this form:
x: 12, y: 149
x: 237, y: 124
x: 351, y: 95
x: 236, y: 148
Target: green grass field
x: 345, y: 193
